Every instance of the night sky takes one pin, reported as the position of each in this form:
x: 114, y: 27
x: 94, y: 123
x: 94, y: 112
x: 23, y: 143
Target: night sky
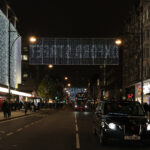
x: 71, y: 18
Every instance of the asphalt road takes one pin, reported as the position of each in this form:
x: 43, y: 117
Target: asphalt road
x: 61, y: 129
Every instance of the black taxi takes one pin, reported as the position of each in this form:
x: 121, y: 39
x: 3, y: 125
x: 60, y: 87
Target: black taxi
x: 121, y: 120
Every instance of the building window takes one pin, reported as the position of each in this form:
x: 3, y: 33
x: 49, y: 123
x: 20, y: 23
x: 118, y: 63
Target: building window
x: 147, y: 34
x: 147, y: 52
x: 25, y: 57
x: 25, y: 75
x: 25, y: 48
x: 147, y: 14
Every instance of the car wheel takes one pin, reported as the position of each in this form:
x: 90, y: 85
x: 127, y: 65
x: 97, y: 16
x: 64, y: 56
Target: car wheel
x: 102, y: 138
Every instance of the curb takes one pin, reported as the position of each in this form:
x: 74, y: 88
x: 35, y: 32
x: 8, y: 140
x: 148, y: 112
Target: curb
x: 11, y: 118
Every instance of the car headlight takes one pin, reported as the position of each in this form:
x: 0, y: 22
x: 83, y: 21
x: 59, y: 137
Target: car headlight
x: 112, y: 126
x: 148, y: 127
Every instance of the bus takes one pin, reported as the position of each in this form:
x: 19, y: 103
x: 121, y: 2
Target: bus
x: 81, y: 102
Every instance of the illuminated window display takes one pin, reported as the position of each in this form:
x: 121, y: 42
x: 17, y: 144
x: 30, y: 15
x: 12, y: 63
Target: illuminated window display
x: 15, y: 53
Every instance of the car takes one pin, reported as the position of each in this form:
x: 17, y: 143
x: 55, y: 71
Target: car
x: 121, y: 120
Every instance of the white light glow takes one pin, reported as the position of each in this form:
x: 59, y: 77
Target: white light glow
x: 50, y: 66
x: 148, y: 127
x: 20, y: 93
x: 118, y: 42
x: 32, y: 39
x: 112, y: 126
x: 5, y: 90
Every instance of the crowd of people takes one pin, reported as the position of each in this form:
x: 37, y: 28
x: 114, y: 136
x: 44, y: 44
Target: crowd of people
x: 7, y: 107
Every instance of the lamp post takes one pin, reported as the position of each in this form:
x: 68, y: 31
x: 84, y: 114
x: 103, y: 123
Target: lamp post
x: 119, y: 42
x: 142, y: 54
x: 32, y: 39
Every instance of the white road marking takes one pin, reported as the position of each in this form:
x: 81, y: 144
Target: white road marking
x: 77, y: 134
x: 75, y: 121
x: 26, y: 126
x: 75, y: 116
x: 77, y: 129
x: 32, y: 123
x: 19, y: 129
x: 2, y: 132
x: 77, y: 141
x: 10, y: 133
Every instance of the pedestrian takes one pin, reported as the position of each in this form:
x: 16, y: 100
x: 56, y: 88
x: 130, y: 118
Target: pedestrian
x: 5, y: 108
x: 25, y: 107
x: 29, y: 106
x: 9, y: 110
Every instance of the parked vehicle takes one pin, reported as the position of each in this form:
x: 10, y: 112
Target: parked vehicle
x: 121, y: 120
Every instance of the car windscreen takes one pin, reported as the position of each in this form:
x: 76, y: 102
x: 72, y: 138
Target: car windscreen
x: 124, y: 109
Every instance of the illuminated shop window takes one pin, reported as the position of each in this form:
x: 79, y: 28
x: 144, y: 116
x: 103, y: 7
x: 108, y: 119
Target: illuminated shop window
x: 25, y: 48
x: 25, y: 57
x: 25, y: 75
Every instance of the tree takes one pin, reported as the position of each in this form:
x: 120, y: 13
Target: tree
x: 47, y: 88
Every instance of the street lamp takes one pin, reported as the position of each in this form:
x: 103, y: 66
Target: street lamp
x: 69, y: 85
x: 118, y: 42
x: 50, y: 66
x: 32, y: 39
x: 66, y: 78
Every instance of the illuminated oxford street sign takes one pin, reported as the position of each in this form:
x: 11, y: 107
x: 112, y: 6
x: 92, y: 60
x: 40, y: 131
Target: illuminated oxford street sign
x: 74, y: 51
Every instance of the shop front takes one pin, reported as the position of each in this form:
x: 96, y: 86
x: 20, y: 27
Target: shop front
x: 130, y: 93
x: 146, y: 91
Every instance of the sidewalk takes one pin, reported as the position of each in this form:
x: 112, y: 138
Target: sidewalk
x: 15, y: 114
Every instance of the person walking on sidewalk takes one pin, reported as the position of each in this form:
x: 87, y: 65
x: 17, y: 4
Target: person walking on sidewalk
x: 5, y: 108
x: 25, y: 107
x: 9, y: 110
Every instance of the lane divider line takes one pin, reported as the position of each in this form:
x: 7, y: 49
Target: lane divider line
x: 77, y: 141
x: 3, y: 132
x: 10, y: 133
x: 75, y: 121
x: 77, y: 134
x: 19, y: 129
x: 77, y: 129
x: 75, y: 116
x: 32, y: 123
x: 26, y: 126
